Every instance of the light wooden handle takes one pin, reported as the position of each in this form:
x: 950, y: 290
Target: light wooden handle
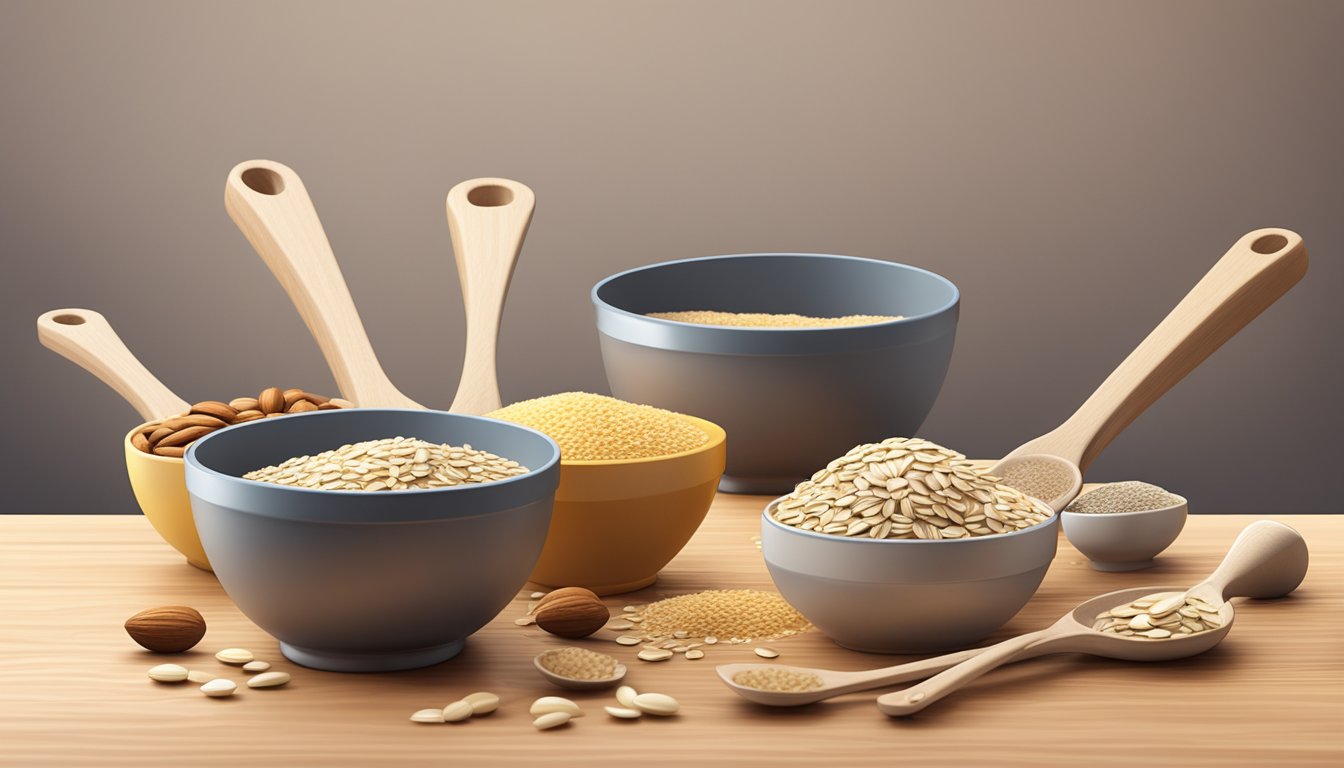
x: 1255, y: 272
x: 268, y: 202
x: 917, y: 697
x: 85, y: 338
x: 488, y: 219
x: 1268, y: 559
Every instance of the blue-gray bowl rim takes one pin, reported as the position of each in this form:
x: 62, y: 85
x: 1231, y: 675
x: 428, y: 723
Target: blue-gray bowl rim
x: 506, y: 487
x: 697, y: 337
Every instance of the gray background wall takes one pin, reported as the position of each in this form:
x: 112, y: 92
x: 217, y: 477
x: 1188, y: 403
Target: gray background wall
x: 1075, y: 168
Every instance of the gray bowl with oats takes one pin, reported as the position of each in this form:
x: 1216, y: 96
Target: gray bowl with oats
x: 907, y: 595
x: 789, y: 398
x: 356, y: 581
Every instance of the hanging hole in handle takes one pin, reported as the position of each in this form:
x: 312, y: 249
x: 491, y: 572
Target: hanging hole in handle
x: 263, y: 181
x: 490, y: 196
x: 69, y: 319
x: 1268, y: 244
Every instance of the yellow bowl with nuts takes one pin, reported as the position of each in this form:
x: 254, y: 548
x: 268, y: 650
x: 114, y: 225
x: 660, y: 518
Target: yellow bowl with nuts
x: 154, y: 458
x: 635, y: 484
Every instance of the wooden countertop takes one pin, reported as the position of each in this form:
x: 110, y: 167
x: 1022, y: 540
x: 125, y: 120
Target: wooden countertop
x: 73, y: 687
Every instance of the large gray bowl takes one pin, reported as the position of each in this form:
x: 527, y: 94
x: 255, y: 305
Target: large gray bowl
x: 790, y: 399
x: 367, y: 582
x: 907, y: 595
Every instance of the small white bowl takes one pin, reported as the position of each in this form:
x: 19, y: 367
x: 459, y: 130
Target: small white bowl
x: 1124, y: 541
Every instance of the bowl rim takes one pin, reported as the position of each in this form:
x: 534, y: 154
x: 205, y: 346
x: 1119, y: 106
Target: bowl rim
x: 765, y: 515
x: 658, y: 321
x: 1182, y: 504
x: 191, y: 460
x: 717, y: 436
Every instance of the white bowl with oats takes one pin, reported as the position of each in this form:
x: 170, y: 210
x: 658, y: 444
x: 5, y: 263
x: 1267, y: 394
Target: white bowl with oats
x: 1124, y: 526
x: 924, y: 560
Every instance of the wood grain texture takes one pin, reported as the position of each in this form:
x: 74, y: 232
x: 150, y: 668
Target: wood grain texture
x: 73, y: 686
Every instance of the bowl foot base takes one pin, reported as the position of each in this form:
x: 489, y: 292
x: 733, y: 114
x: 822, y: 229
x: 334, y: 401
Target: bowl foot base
x: 203, y: 566
x: 371, y: 662
x: 769, y: 486
x: 1109, y: 567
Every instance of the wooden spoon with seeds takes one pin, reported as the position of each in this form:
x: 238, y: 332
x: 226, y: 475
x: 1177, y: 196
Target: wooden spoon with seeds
x: 85, y: 338
x: 1252, y: 275
x: 1267, y: 560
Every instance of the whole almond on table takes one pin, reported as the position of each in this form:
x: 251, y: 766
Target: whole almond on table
x: 571, y: 612
x: 167, y: 629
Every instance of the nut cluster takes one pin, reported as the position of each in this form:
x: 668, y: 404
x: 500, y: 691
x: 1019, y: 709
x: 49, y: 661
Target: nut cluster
x: 170, y: 437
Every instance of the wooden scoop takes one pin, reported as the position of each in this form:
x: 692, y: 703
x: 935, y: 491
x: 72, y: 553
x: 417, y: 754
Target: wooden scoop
x: 488, y: 219
x: 268, y: 202
x: 1253, y: 274
x: 1267, y: 560
x: 85, y: 338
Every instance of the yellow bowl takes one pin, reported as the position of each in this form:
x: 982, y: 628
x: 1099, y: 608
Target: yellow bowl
x: 617, y: 523
x: 160, y: 487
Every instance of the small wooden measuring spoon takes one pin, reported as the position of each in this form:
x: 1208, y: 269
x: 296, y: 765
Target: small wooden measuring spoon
x: 269, y: 203
x: 1266, y: 559
x: 488, y: 219
x: 1253, y: 274
x: 85, y: 338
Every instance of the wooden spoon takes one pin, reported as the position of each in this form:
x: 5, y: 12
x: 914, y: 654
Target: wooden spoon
x: 269, y: 203
x: 85, y: 338
x: 1264, y: 560
x: 488, y: 219
x: 1253, y: 274
x: 1267, y: 560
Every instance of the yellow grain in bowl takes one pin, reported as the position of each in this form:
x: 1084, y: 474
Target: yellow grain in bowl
x: 590, y: 427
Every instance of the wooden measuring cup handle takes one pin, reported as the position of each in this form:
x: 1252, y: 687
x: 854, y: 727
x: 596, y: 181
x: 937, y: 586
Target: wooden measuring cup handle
x: 1268, y: 559
x: 85, y: 338
x: 1253, y: 274
x: 269, y: 203
x: 488, y: 219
